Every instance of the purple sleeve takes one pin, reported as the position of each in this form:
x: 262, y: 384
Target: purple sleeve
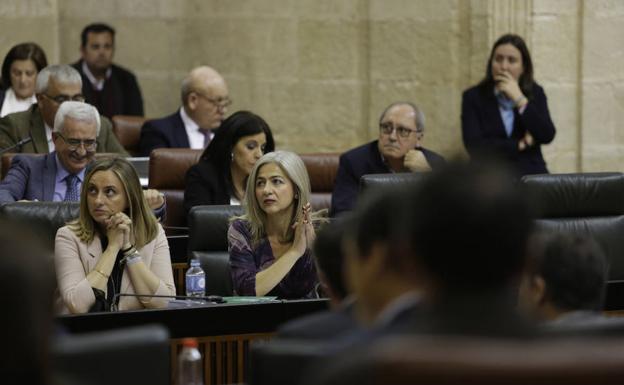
x: 242, y: 261
x: 301, y: 279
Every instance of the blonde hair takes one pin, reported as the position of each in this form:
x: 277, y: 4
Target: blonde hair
x: 294, y: 168
x: 144, y: 223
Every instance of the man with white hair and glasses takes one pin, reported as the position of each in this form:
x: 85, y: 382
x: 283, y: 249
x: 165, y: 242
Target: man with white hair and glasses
x: 56, y: 84
x: 398, y: 149
x: 58, y: 176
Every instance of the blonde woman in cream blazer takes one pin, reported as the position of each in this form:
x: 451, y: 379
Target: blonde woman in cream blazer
x: 115, y: 246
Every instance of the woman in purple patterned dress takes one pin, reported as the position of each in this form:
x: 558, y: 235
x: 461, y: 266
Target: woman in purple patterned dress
x: 270, y: 244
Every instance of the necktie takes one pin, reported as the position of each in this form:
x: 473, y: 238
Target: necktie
x: 72, y: 194
x: 206, y: 136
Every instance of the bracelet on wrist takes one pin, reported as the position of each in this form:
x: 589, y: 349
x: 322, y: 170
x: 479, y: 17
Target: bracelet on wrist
x: 101, y: 273
x: 131, y: 259
x: 125, y: 251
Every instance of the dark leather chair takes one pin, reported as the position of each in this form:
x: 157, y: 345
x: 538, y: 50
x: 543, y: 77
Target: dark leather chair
x: 137, y: 355
x: 45, y: 218
x: 589, y: 204
x: 208, y: 226
x: 391, y: 180
x: 453, y: 360
x: 167, y: 170
x: 322, y: 169
x: 127, y: 129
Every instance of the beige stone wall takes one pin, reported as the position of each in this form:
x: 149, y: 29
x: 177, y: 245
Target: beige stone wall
x: 320, y: 71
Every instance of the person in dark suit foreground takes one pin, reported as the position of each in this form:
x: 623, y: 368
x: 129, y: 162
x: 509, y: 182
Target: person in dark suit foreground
x: 112, y: 89
x: 507, y: 113
x: 27, y: 283
x: 205, y: 100
x: 398, y: 149
x: 58, y: 176
x: 468, y: 228
x: 566, y: 282
x: 339, y: 319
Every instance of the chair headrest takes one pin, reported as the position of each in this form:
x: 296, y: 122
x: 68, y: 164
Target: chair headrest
x: 375, y: 181
x: 576, y: 195
x: 208, y: 226
x: 46, y: 217
x: 322, y: 169
x: 168, y: 167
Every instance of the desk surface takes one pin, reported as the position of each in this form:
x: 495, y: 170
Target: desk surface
x: 212, y: 320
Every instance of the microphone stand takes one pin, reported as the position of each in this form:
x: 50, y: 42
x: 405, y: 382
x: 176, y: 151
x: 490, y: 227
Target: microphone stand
x: 18, y: 144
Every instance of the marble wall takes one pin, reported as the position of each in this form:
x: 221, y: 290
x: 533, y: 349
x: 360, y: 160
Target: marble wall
x: 321, y: 71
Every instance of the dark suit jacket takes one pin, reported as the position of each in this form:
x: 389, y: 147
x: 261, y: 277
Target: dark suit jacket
x: 17, y: 126
x: 121, y: 91
x: 166, y: 132
x: 30, y: 177
x: 205, y: 186
x: 359, y: 161
x: 483, y: 129
x: 323, y: 325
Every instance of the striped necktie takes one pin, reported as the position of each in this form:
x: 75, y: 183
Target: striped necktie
x: 72, y: 194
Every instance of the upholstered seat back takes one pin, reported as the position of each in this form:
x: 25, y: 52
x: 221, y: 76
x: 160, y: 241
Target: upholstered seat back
x: 589, y: 204
x: 399, y: 180
x: 45, y: 218
x: 322, y: 169
x: 136, y: 355
x: 208, y: 226
x: 167, y: 170
x: 127, y: 129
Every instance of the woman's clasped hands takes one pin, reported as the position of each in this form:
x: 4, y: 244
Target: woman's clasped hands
x: 118, y: 230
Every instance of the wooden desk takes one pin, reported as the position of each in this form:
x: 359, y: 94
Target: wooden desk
x: 225, y: 332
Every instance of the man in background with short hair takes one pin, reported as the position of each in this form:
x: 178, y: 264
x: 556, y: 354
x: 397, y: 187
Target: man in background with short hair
x: 111, y: 88
x: 56, y: 84
x: 566, y: 281
x: 205, y: 99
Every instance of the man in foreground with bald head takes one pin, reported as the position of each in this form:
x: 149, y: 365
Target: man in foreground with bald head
x: 204, y: 103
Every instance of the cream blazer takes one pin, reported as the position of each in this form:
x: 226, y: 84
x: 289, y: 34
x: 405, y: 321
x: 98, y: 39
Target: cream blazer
x: 74, y: 259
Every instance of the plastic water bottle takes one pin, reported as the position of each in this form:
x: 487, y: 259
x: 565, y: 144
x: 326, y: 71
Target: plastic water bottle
x: 190, y: 364
x: 195, y: 280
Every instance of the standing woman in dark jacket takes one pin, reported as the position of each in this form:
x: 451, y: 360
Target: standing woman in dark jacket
x: 507, y: 113
x: 220, y: 176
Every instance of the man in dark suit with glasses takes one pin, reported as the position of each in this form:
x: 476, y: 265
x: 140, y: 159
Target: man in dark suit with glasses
x: 398, y: 149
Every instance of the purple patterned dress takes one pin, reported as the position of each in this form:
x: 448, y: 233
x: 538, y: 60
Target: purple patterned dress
x: 246, y: 261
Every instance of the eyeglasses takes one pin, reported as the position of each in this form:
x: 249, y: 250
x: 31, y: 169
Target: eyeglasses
x: 403, y: 132
x: 219, y: 103
x: 73, y: 144
x: 60, y: 99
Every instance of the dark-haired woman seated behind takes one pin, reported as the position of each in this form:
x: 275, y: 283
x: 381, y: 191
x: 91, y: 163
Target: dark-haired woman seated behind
x: 220, y: 176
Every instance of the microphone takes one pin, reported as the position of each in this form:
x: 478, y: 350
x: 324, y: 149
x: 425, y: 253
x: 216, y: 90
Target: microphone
x: 19, y: 144
x: 194, y: 301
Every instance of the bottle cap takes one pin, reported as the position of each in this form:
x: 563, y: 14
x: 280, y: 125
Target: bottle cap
x: 194, y: 262
x: 189, y: 343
